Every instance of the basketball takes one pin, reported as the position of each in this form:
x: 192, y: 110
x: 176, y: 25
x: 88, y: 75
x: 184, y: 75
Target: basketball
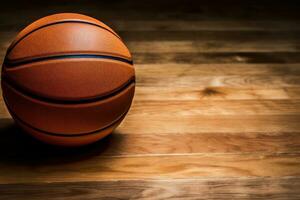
x: 68, y: 79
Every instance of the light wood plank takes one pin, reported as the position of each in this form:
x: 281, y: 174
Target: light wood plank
x: 16, y: 145
x: 178, y: 70
x: 238, y: 124
x: 214, y: 108
x: 150, y: 167
x: 214, y: 93
x: 187, y: 122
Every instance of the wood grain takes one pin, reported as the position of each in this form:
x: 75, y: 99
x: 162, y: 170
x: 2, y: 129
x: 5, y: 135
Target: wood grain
x: 172, y: 69
x: 214, y: 108
x: 203, y: 108
x: 191, y: 189
x: 211, y: 46
x: 213, y: 124
x: 217, y: 57
x: 215, y: 93
x: 150, y: 167
x: 204, y: 25
x: 215, y: 115
x: 17, y: 146
x: 242, y: 81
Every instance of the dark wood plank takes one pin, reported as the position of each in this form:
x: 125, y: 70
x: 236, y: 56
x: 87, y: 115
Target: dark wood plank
x: 213, y: 36
x: 210, y: 46
x: 202, y: 41
x: 204, y: 25
x: 226, y: 188
x: 217, y: 57
x: 241, y: 81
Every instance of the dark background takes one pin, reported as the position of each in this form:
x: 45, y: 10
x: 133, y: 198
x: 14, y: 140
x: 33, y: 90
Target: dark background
x: 17, y: 14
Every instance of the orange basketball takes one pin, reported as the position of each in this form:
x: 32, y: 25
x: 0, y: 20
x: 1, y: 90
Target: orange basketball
x: 68, y: 79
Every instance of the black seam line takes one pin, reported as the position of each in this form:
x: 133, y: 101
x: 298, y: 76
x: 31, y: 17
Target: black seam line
x: 68, y: 135
x: 10, y: 63
x: 61, y: 22
x: 69, y: 102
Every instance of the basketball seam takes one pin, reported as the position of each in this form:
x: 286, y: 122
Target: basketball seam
x: 60, y: 22
x: 27, y: 93
x: 67, y: 135
x: 10, y: 64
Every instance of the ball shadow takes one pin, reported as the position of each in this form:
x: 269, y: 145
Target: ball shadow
x: 16, y: 147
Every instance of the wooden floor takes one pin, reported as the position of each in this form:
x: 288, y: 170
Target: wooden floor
x: 216, y: 113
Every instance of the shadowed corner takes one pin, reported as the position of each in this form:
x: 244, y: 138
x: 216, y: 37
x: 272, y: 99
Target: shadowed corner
x: 16, y: 147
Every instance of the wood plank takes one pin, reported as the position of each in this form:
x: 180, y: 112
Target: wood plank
x: 204, y: 108
x: 199, y: 124
x: 202, y: 41
x: 149, y: 167
x: 17, y: 146
x: 207, y: 108
x: 234, y: 81
x: 162, y: 71
x: 170, y: 123
x: 217, y: 57
x: 214, y: 108
x: 204, y: 57
x: 214, y: 93
x: 210, y: 46
x: 204, y: 25
x: 212, y: 37
x: 191, y: 189
x: 206, y: 93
